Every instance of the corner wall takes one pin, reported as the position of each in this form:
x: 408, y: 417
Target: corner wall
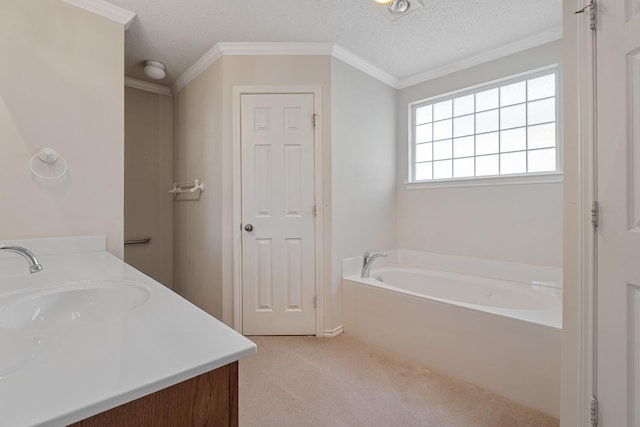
x: 363, y: 172
x: 518, y: 223
x: 197, y: 153
x: 51, y: 56
x: 148, y: 176
x: 358, y: 127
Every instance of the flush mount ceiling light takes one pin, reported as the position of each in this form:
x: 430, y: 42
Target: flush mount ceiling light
x: 398, y: 7
x: 395, y: 9
x: 154, y: 69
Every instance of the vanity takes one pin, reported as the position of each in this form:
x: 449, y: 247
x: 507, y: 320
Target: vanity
x: 90, y: 341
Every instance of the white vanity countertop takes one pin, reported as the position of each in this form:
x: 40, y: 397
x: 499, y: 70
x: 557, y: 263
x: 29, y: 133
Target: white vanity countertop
x: 56, y: 376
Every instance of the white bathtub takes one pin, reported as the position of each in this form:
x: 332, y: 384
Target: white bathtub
x: 502, y: 335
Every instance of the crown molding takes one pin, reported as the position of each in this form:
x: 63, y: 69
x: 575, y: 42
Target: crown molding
x: 548, y: 36
x: 147, y: 86
x: 211, y: 56
x: 275, y: 48
x: 296, y: 49
x: 363, y: 65
x: 107, y: 10
x: 339, y: 52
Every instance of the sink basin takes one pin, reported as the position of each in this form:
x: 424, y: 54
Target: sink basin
x: 71, y: 304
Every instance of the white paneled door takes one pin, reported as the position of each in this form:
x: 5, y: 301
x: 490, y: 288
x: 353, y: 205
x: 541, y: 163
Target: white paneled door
x: 618, y: 157
x: 278, y: 214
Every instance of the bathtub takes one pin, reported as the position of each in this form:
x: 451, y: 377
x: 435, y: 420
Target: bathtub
x: 499, y: 328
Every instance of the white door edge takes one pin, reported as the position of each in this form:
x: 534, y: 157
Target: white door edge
x: 238, y: 91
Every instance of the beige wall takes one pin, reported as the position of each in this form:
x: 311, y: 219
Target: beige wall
x: 61, y: 86
x: 363, y: 167
x: 283, y: 71
x: 519, y: 223
x: 358, y: 153
x: 203, y: 148
x: 148, y: 176
x: 197, y: 153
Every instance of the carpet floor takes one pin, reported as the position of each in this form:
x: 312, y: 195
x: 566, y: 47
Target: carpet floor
x: 308, y: 381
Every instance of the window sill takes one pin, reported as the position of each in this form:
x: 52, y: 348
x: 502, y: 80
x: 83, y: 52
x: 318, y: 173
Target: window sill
x: 542, y: 178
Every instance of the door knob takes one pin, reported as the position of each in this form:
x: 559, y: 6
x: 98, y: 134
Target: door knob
x: 248, y: 227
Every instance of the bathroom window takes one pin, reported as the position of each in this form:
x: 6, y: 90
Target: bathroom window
x: 489, y: 131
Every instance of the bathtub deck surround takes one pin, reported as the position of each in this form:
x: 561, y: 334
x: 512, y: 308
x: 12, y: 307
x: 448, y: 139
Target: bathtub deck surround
x: 491, y: 323
x: 133, y: 336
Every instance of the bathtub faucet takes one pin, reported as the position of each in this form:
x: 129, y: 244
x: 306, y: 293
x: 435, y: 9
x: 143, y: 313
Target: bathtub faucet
x: 367, y: 260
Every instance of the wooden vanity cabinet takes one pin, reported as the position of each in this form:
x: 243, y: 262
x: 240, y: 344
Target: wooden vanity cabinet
x: 210, y: 399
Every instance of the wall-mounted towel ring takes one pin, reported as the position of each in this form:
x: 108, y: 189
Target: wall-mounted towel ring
x: 50, y: 157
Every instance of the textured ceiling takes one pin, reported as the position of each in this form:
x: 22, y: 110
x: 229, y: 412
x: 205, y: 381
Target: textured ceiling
x: 178, y: 33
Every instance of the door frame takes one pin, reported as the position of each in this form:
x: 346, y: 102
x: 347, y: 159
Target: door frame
x: 238, y: 91
x: 580, y: 241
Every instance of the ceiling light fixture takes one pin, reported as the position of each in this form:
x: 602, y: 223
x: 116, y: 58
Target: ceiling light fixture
x: 398, y: 7
x: 154, y: 69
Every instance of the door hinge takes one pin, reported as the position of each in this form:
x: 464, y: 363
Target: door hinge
x: 595, y: 214
x: 591, y: 7
x: 315, y: 301
x: 314, y: 211
x: 593, y: 411
x: 313, y: 120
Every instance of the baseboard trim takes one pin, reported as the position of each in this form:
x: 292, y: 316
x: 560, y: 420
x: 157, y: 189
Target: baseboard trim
x: 332, y: 333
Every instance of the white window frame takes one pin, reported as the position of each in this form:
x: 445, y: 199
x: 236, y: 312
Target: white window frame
x: 521, y: 178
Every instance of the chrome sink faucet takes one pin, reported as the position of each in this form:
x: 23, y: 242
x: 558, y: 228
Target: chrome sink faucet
x: 34, y: 265
x: 367, y: 260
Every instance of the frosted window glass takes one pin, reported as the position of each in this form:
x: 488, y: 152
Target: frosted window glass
x: 542, y: 136
x: 463, y: 126
x: 463, y: 147
x: 504, y: 130
x: 423, y: 171
x: 424, y: 114
x: 487, y: 100
x: 487, y: 165
x: 514, y: 116
x: 542, y: 160
x: 442, y: 130
x: 541, y: 87
x: 424, y: 152
x: 463, y: 167
x: 487, y: 121
x: 542, y: 111
x: 442, y: 150
x: 442, y: 169
x: 513, y: 140
x: 463, y: 105
x: 513, y: 94
x: 513, y: 163
x: 487, y: 143
x: 442, y: 110
x: 423, y: 133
